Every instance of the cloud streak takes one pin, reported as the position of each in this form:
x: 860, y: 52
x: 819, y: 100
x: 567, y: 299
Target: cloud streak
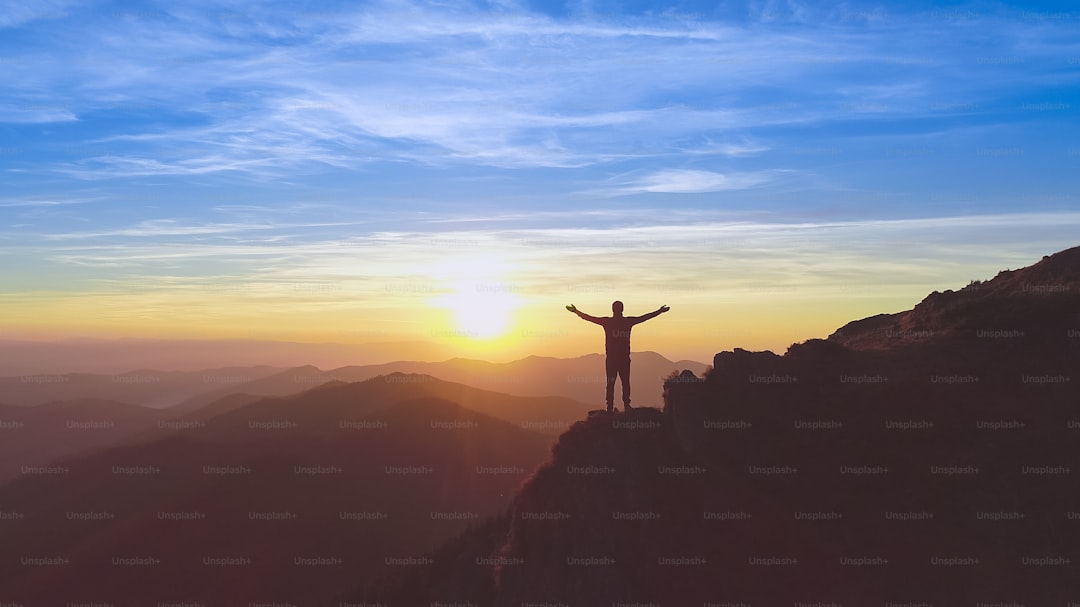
x: 689, y: 181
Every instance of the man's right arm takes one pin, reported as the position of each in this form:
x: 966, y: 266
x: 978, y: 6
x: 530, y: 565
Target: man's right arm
x: 583, y: 315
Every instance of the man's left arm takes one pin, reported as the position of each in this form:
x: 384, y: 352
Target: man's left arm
x: 653, y: 314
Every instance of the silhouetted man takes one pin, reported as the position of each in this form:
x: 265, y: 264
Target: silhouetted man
x: 617, y: 346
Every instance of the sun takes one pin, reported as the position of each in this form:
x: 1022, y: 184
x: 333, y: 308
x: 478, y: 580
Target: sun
x: 480, y: 299
x: 480, y: 314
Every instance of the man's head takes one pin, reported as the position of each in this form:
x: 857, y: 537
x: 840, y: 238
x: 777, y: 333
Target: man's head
x: 616, y: 308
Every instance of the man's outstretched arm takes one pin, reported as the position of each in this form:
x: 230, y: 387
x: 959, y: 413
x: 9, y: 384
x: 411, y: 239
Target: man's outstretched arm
x: 582, y: 315
x: 653, y: 314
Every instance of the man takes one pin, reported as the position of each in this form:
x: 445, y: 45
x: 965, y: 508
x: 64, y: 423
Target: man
x: 617, y: 346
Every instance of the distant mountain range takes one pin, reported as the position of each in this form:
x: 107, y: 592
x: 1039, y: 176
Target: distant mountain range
x: 580, y: 378
x: 111, y: 356
x: 147, y: 387
x: 279, y: 499
x: 86, y: 410
x: 36, y: 435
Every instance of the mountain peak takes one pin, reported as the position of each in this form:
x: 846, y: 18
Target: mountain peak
x: 1043, y: 298
x: 402, y: 377
x: 1053, y: 273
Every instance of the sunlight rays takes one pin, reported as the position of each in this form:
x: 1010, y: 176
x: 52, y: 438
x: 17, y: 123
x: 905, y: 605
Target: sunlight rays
x: 481, y: 301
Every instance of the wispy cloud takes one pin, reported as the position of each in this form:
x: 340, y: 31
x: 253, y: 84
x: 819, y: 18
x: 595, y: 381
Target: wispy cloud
x: 31, y: 113
x: 171, y: 227
x: 718, y: 252
x: 274, y: 91
x: 688, y: 181
x: 14, y: 14
x: 56, y: 201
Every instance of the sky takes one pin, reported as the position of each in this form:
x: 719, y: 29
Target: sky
x: 456, y: 173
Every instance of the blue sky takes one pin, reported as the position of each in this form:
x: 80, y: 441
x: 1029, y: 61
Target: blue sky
x: 153, y: 152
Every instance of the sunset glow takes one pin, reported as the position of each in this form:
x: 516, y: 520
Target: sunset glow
x: 481, y: 300
x: 281, y: 174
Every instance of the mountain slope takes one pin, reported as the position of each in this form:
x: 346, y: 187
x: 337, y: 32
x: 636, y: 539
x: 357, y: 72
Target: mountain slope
x: 621, y: 515
x: 346, y: 501
x: 32, y: 436
x: 327, y: 406
x: 1038, y: 302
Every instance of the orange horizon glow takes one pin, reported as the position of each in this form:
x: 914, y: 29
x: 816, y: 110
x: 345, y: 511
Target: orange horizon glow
x: 503, y: 303
x: 489, y: 325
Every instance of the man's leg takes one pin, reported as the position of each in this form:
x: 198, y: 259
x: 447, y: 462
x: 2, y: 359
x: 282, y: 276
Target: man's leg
x: 612, y: 371
x: 624, y: 374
